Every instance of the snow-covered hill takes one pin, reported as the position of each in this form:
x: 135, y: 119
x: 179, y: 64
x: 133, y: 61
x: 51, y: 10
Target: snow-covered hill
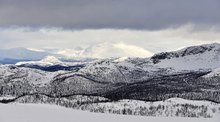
x: 203, y: 57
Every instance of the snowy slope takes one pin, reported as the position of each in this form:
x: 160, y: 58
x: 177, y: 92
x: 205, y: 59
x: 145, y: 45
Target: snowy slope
x: 203, y: 57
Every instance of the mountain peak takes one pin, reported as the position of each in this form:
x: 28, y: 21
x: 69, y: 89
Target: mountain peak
x: 48, y: 60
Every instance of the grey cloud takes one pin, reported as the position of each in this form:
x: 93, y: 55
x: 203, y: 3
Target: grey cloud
x: 133, y: 14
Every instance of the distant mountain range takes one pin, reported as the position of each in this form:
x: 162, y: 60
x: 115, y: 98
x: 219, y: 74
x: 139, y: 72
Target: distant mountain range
x: 102, y: 50
x: 190, y: 73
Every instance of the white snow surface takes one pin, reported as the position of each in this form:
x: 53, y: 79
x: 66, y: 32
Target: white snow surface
x: 52, y: 113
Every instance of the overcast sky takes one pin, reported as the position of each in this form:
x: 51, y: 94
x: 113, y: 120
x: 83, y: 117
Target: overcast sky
x: 133, y: 14
x: 152, y: 25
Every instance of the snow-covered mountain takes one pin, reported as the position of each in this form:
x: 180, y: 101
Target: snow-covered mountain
x: 195, y: 58
x: 138, y: 77
x: 202, y: 58
x: 190, y: 73
x: 190, y: 58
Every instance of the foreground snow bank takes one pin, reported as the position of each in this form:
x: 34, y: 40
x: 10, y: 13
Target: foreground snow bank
x: 53, y: 113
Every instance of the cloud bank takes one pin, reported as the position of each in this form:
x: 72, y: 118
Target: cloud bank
x: 105, y: 41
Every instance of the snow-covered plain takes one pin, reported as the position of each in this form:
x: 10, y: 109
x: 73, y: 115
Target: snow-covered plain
x: 52, y: 113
